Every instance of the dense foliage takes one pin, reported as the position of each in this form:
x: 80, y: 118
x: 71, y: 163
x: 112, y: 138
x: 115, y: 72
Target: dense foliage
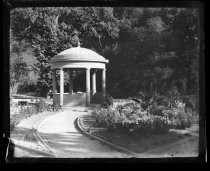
x: 22, y: 73
x: 21, y: 112
x: 150, y: 49
x: 107, y: 101
x: 135, y: 118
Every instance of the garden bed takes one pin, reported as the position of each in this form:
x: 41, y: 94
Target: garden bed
x: 146, y: 123
x: 136, y: 143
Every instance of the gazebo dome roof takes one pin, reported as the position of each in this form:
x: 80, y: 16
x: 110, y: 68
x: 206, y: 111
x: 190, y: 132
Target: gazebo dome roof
x: 79, y: 54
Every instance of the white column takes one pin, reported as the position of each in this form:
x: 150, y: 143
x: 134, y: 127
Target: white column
x: 87, y: 86
x: 70, y: 83
x: 54, y: 85
x: 54, y: 81
x: 61, y: 87
x: 104, y: 81
x: 94, y: 83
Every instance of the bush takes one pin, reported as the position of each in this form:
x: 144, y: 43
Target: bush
x: 26, y: 111
x: 157, y: 111
x: 147, y: 102
x: 178, y: 116
x: 181, y: 119
x: 23, y: 112
x: 107, y: 101
x: 14, y: 120
x: 41, y: 106
x: 133, y: 118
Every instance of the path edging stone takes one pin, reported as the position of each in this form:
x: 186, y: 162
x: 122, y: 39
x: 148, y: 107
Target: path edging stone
x: 35, y: 150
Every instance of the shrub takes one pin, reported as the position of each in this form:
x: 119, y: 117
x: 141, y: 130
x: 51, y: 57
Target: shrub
x: 157, y: 111
x: 26, y: 111
x: 149, y: 124
x: 109, y: 118
x: 41, y: 106
x: 107, y: 101
x: 14, y: 120
x: 133, y: 118
x: 99, y: 115
x: 13, y: 104
x: 23, y: 112
x: 147, y: 102
x: 179, y: 118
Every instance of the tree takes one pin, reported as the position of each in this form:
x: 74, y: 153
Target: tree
x: 21, y: 65
x: 51, y: 30
x: 148, y: 48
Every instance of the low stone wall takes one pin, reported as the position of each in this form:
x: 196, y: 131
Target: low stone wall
x: 71, y: 99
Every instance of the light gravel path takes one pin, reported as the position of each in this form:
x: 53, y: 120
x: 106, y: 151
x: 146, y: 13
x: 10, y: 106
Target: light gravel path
x: 63, y: 138
x: 59, y: 133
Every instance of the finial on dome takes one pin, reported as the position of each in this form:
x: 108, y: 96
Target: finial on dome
x: 78, y: 44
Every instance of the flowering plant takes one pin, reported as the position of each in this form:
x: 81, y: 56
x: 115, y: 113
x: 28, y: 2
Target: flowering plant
x: 134, y: 118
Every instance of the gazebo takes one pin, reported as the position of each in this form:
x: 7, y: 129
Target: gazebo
x: 77, y: 58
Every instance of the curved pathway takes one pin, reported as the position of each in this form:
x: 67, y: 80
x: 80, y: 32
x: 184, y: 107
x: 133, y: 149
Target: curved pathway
x: 60, y: 134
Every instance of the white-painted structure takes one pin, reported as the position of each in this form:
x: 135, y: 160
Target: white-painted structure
x: 77, y: 58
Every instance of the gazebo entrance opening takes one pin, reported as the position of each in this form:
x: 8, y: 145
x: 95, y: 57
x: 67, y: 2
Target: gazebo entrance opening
x: 82, y: 59
x: 79, y: 80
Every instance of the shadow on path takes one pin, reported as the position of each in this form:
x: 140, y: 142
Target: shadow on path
x: 61, y: 135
